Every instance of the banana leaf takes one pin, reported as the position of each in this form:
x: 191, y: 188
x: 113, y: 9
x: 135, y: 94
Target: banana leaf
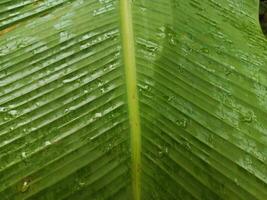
x: 132, y: 99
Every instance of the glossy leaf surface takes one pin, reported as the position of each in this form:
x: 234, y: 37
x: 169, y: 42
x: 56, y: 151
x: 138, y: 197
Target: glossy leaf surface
x: 143, y: 99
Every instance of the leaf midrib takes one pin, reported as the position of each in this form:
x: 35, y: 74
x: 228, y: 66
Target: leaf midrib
x: 132, y: 95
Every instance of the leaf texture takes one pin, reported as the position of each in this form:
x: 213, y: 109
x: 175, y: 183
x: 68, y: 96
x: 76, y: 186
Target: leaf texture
x: 202, y: 77
x: 64, y: 123
x: 78, y: 78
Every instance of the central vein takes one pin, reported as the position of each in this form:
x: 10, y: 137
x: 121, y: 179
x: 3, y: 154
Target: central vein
x: 132, y: 96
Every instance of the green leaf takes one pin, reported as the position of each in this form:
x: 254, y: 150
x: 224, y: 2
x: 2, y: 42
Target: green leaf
x: 143, y: 99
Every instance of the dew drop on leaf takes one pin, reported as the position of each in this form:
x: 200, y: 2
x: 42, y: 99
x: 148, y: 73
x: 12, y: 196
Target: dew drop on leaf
x: 23, y: 155
x: 182, y: 123
x: 13, y: 113
x: 47, y: 143
x: 25, y: 186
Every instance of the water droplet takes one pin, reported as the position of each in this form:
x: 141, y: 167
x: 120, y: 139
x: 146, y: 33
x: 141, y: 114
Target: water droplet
x: 102, y: 90
x: 172, y: 41
x: 69, y: 80
x: 24, y: 187
x: 219, y: 51
x: 112, y: 66
x: 211, y: 139
x: 166, y: 150
x: 163, y: 151
x: 100, y: 83
x: 205, y: 50
x: 97, y: 115
x: 23, y: 155
x: 47, y: 143
x: 171, y: 36
x: 171, y: 98
x: 227, y: 71
x: 13, y: 113
x: 3, y: 109
x: 64, y: 36
x: 108, y: 147
x: 186, y: 145
x: 247, y: 117
x: 6, y: 118
x: 236, y: 181
x: 5, y: 142
x: 11, y: 106
x: 81, y: 184
x: 25, y: 130
x: 182, y: 123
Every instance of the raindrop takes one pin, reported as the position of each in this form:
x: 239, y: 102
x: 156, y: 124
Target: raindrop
x: 247, y: 117
x: 25, y: 130
x: 13, y: 113
x: 81, y: 184
x: 64, y: 36
x: 182, y: 123
x: 37, y: 104
x: 166, y: 150
x: 97, y: 115
x: 205, y: 50
x: 163, y: 151
x: 3, y: 109
x: 186, y: 145
x: 6, y: 118
x: 25, y: 186
x: 47, y: 143
x: 102, y: 90
x: 219, y: 50
x: 11, y: 106
x: 143, y: 9
x: 108, y: 147
x: 172, y: 41
x: 171, y: 35
x: 23, y: 155
x: 160, y: 154
x: 211, y: 139
x: 69, y: 80
x: 171, y: 98
x: 100, y: 83
x: 227, y: 71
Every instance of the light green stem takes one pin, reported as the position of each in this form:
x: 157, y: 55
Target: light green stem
x: 132, y: 95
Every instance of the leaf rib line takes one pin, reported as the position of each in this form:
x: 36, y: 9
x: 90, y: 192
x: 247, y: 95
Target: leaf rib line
x: 132, y: 95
